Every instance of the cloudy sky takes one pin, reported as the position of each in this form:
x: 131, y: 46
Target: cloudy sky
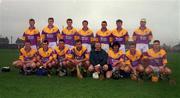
x: 163, y: 16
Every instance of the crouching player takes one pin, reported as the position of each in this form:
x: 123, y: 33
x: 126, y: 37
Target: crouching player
x: 45, y: 57
x: 134, y: 60
x: 116, y: 61
x: 27, y: 58
x: 98, y: 61
x: 157, y: 60
x: 79, y: 57
x: 61, y: 55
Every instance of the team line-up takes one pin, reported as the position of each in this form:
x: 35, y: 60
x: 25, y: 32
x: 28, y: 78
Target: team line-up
x: 79, y: 52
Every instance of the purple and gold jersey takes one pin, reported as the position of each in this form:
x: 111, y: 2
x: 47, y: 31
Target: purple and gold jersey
x: 26, y: 56
x: 120, y: 36
x: 50, y: 34
x: 103, y: 37
x: 45, y: 55
x: 115, y: 57
x: 159, y: 58
x: 32, y: 35
x: 79, y: 54
x: 60, y: 55
x: 143, y: 36
x: 133, y: 59
x: 85, y: 36
x: 69, y: 36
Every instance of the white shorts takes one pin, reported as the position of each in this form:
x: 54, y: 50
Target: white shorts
x: 142, y: 47
x: 88, y: 46
x: 123, y: 48
x: 155, y: 68
x: 52, y: 45
x: 34, y: 47
x: 105, y: 47
x: 69, y: 46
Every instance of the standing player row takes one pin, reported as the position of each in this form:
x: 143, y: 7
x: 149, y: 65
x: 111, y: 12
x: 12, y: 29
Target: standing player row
x: 141, y: 36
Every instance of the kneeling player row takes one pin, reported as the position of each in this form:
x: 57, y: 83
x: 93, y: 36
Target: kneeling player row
x: 97, y: 61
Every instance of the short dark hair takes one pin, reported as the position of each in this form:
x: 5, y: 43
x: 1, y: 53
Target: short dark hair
x: 77, y: 41
x: 46, y: 42
x: 119, y: 20
x: 156, y: 41
x: 85, y: 21
x: 115, y: 44
x: 69, y: 19
x: 51, y: 18
x: 32, y: 20
x: 104, y: 22
x: 61, y: 40
x: 27, y: 41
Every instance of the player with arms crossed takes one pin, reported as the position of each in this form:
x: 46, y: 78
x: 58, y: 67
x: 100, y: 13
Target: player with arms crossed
x: 120, y: 35
x: 32, y: 34
x: 142, y: 36
x: 103, y: 36
x: 86, y: 35
x: 51, y: 33
x: 69, y: 34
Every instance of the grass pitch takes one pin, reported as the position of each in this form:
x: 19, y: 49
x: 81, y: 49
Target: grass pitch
x: 14, y: 85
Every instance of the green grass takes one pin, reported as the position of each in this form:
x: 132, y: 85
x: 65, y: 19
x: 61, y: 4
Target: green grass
x: 14, y: 85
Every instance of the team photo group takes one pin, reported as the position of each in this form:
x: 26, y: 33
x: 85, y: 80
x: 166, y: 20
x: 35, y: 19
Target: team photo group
x: 102, y: 54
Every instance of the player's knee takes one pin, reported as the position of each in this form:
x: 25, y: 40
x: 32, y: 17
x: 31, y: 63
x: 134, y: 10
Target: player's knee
x: 127, y: 69
x: 161, y: 69
x: 148, y: 70
x: 33, y: 65
x: 19, y: 63
x: 38, y: 64
x: 91, y: 68
x: 108, y: 74
x: 121, y: 68
x: 53, y: 63
x: 97, y: 68
x: 49, y: 65
x: 15, y: 63
x: 64, y: 63
x: 105, y: 67
x: 140, y: 68
x: 87, y: 63
x: 168, y: 71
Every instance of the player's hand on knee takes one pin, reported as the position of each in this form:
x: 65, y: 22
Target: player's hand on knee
x: 97, y: 67
x: 91, y: 68
x: 45, y: 65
